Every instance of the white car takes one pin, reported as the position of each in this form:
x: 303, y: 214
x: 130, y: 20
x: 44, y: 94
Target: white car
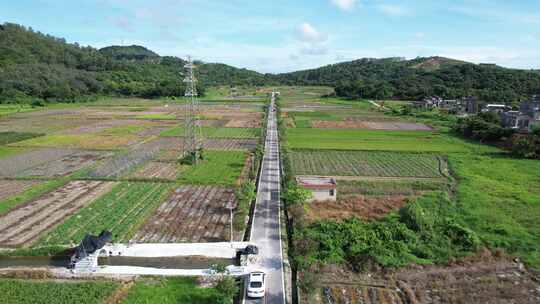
x: 256, y: 284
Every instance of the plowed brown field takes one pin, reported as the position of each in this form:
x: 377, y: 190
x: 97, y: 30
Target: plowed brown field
x: 28, y: 221
x: 190, y: 214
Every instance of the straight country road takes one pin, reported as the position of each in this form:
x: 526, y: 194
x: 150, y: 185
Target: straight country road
x: 265, y: 230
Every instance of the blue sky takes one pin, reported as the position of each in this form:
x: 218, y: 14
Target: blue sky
x: 286, y: 35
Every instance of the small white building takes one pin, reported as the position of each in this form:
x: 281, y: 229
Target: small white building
x: 322, y: 188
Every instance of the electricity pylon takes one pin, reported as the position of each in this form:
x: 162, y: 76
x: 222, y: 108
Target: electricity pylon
x: 193, y: 141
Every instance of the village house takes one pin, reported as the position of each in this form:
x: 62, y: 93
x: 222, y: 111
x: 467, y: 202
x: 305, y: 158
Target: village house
x: 526, y: 118
x: 466, y: 105
x: 322, y: 188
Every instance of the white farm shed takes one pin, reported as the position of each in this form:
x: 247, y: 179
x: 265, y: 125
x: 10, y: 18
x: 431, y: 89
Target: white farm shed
x: 322, y: 188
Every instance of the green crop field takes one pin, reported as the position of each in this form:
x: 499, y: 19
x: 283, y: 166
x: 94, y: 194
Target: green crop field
x: 120, y: 211
x: 211, y: 132
x: 123, y: 130
x: 173, y: 291
x: 32, y: 193
x: 218, y: 168
x: 6, y: 110
x: 61, y: 292
x: 160, y: 116
x: 365, y: 163
x: 7, y: 151
x: 357, y: 139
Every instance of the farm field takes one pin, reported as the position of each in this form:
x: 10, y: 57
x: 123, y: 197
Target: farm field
x: 55, y: 292
x: 25, y: 223
x: 86, y: 141
x: 157, y: 170
x: 218, y: 168
x: 172, y: 291
x: 121, y: 210
x: 18, y: 162
x: 366, y: 163
x: 358, y: 139
x: 9, y: 188
x: 190, y: 214
x: 213, y: 132
x: 11, y: 137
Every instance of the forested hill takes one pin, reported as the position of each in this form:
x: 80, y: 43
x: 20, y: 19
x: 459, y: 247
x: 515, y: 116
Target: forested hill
x: 36, y: 66
x: 413, y: 79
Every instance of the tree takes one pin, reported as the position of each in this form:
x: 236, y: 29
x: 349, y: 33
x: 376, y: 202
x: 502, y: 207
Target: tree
x: 296, y: 195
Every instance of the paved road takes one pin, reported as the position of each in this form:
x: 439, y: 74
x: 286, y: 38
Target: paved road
x: 265, y: 231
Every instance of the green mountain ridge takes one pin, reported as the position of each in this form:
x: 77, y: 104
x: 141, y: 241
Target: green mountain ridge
x: 35, y: 65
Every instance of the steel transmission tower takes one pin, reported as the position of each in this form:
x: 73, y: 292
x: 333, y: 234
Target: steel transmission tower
x: 193, y: 141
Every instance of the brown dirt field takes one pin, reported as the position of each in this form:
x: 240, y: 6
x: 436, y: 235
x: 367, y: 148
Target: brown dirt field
x: 28, y: 221
x: 483, y: 278
x: 213, y: 122
x: 9, y: 188
x: 244, y: 123
x: 230, y: 144
x: 373, y: 125
x: 190, y: 214
x: 14, y: 164
x: 365, y: 207
x: 159, y: 170
x: 66, y: 165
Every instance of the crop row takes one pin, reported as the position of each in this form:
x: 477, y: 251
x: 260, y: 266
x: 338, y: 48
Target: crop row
x: 364, y: 163
x: 212, y: 132
x: 120, y: 211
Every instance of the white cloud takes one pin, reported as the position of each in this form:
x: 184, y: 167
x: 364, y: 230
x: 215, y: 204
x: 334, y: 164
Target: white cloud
x: 420, y: 35
x: 308, y: 33
x: 393, y: 10
x: 345, y: 5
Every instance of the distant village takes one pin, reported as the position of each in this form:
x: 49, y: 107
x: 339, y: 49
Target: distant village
x: 522, y: 120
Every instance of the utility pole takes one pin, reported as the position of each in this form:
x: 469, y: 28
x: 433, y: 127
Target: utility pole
x: 193, y: 142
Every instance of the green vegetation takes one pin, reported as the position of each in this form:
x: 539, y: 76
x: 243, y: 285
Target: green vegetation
x: 7, y: 151
x: 426, y: 231
x: 173, y: 291
x: 212, y: 132
x: 244, y: 196
x: 366, y: 163
x: 217, y: 168
x: 360, y: 139
x: 390, y: 187
x: 11, y: 137
x: 32, y: 193
x: 121, y: 211
x: 160, y: 116
x: 41, y: 292
x: 416, y: 78
x: 499, y: 199
x: 9, y: 109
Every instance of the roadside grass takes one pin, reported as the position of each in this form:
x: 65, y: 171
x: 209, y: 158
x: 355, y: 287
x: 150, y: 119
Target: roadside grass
x: 211, y: 132
x: 366, y: 163
x: 361, y: 139
x: 81, y: 141
x: 55, y: 292
x: 217, y: 168
x: 499, y: 199
x: 122, y: 211
x: 183, y: 290
x: 11, y: 137
x: 32, y: 193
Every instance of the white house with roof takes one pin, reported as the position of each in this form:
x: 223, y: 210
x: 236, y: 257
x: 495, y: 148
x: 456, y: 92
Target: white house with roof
x: 322, y: 188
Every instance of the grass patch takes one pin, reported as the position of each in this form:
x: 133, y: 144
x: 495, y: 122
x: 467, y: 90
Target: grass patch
x: 211, y: 132
x: 6, y: 110
x: 401, y: 187
x: 359, y: 139
x: 173, y: 291
x: 122, y: 211
x: 38, y: 292
x: 11, y: 137
x: 7, y: 151
x: 82, y: 141
x: 32, y: 193
x: 365, y: 163
x: 160, y: 116
x: 500, y: 200
x: 218, y: 168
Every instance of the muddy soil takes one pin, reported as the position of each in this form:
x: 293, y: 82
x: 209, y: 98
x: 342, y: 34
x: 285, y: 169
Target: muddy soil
x: 159, y: 170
